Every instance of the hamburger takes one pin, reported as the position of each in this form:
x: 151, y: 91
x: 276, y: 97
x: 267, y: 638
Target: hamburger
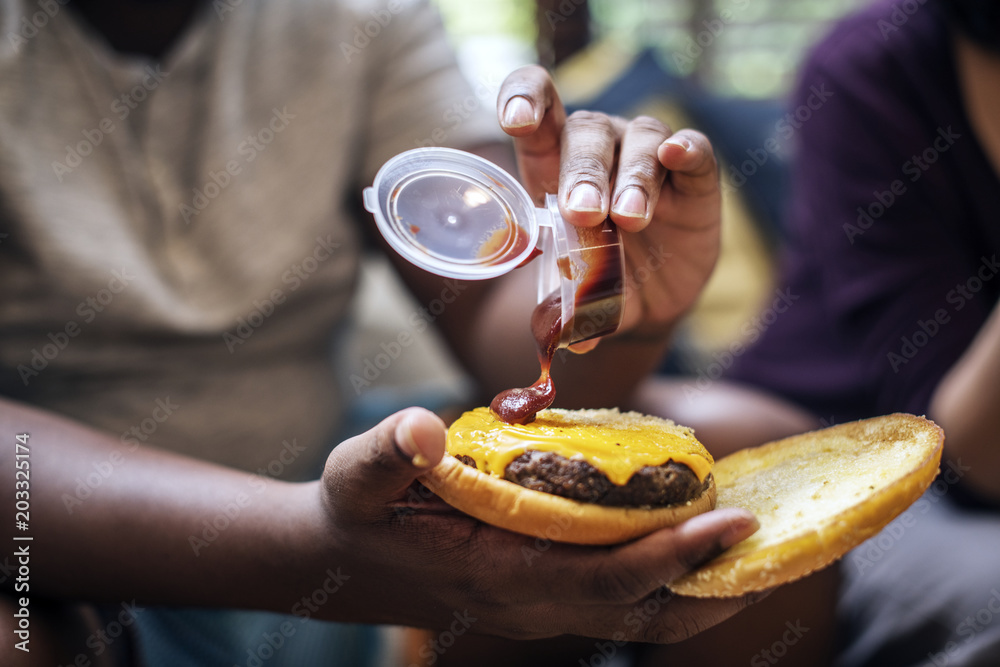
x: 581, y: 476
x: 605, y: 477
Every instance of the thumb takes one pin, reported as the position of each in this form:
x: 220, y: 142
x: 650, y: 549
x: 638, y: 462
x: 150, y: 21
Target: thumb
x: 380, y: 464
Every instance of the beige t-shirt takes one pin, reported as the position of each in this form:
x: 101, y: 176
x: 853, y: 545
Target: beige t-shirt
x: 175, y: 248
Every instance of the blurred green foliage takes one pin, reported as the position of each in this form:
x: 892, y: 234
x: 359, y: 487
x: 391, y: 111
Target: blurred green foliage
x: 747, y: 48
x: 467, y: 19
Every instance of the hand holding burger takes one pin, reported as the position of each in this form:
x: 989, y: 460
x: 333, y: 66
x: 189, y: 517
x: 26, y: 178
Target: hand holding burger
x: 604, y: 477
x: 414, y: 560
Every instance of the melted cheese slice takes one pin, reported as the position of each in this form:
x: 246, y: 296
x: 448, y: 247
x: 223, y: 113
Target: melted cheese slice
x: 616, y: 443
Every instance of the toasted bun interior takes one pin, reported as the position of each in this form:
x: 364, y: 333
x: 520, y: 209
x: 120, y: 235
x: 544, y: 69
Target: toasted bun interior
x: 817, y: 496
x: 496, y: 501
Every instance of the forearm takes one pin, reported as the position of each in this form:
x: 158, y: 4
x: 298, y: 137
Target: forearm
x: 112, y: 521
x: 725, y: 416
x: 965, y: 404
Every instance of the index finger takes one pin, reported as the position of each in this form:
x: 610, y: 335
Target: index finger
x: 657, y: 559
x: 529, y: 109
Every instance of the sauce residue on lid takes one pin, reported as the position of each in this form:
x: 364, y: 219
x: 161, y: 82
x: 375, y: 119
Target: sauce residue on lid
x: 504, y: 243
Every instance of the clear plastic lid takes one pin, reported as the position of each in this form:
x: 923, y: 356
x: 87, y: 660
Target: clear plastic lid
x: 453, y: 213
x: 460, y: 216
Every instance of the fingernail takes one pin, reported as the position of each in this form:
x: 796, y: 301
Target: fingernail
x: 631, y: 203
x: 518, y: 112
x: 738, y: 530
x: 585, y: 198
x: 683, y: 143
x: 407, y: 444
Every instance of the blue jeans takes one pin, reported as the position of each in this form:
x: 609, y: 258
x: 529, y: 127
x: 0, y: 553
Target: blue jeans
x: 169, y: 637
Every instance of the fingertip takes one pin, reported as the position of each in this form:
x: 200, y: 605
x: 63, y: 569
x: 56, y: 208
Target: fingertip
x: 584, y: 206
x: 420, y: 436
x: 684, y: 150
x: 584, y: 347
x: 518, y: 115
x: 679, y: 141
x: 631, y: 209
x: 631, y: 203
x: 585, y: 198
x: 757, y: 596
x: 675, y: 151
x: 629, y: 224
x: 730, y: 525
x: 741, y: 524
x: 583, y: 219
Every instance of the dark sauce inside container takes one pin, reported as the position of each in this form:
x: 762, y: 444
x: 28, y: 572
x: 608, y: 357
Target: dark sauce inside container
x: 598, y: 304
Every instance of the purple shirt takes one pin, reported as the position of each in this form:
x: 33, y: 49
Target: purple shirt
x: 894, y: 224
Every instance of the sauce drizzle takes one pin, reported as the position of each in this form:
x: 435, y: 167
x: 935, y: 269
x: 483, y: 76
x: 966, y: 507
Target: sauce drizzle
x: 519, y: 406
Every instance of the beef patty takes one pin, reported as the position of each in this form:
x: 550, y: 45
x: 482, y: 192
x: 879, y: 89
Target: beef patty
x: 651, y: 486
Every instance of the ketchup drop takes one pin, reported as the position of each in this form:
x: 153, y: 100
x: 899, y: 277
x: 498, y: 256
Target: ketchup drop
x: 519, y: 406
x: 597, y: 306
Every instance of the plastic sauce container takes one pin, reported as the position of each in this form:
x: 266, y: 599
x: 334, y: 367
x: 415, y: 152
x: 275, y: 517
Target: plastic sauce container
x: 460, y: 216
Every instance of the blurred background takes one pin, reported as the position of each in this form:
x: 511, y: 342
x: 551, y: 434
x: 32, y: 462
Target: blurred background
x: 721, y: 66
x: 754, y: 55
